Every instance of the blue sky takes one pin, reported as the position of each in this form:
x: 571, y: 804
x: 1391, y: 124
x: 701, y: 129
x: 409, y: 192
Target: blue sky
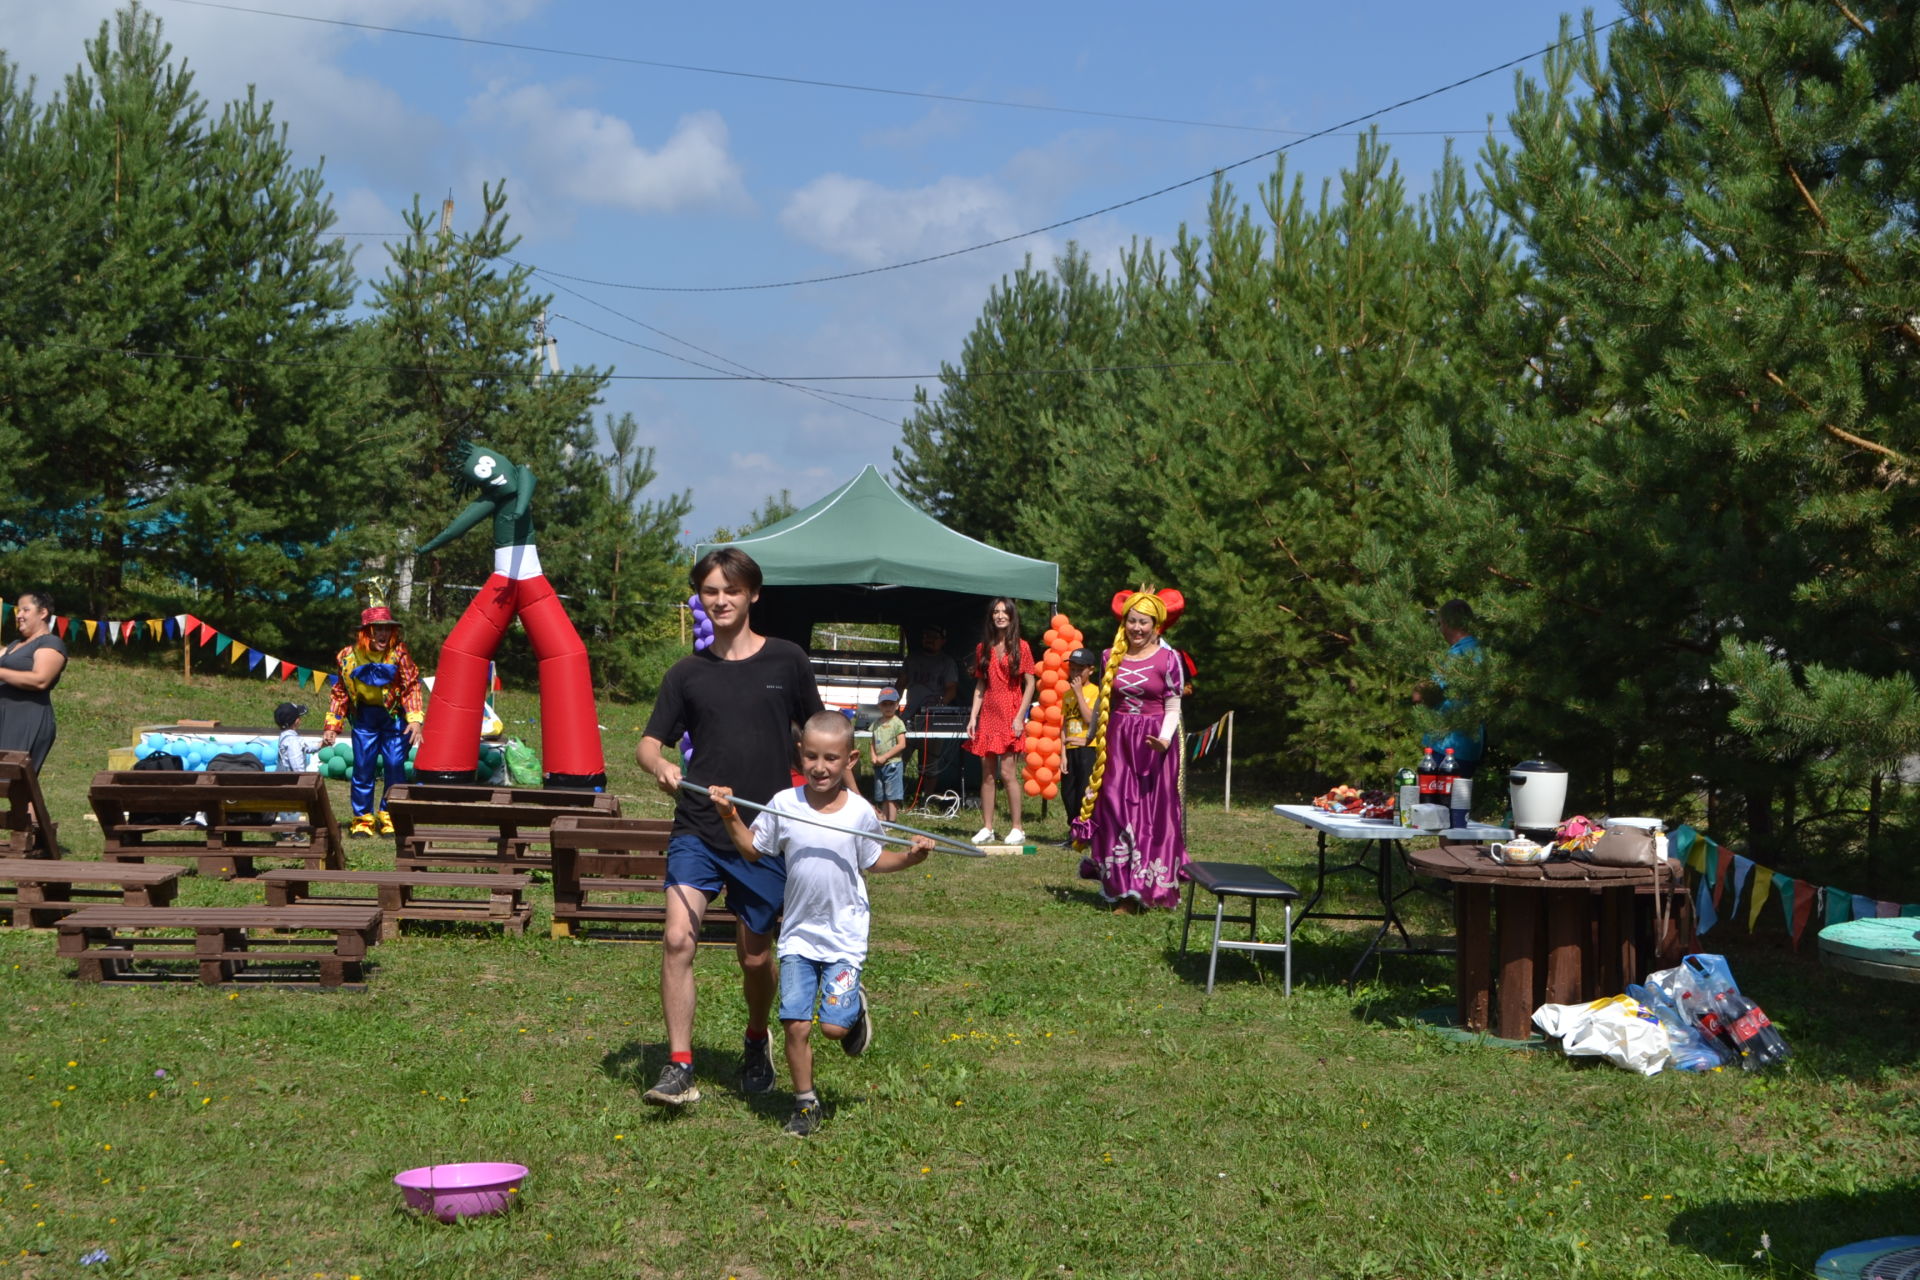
x: 646, y: 175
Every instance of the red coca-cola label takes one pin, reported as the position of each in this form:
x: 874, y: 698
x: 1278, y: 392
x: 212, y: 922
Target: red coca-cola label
x: 1710, y: 1023
x: 1749, y: 1024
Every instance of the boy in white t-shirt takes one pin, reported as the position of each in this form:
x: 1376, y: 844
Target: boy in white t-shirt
x: 293, y: 758
x: 823, y: 927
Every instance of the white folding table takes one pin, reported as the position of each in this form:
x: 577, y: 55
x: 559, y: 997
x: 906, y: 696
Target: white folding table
x: 1377, y: 833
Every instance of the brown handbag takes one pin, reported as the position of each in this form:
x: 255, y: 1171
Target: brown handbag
x: 1625, y: 847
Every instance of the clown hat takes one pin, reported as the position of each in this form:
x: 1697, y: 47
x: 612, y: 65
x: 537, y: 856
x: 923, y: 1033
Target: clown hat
x: 377, y: 613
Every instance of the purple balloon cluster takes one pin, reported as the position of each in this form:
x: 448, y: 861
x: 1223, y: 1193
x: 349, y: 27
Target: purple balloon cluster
x: 702, y: 624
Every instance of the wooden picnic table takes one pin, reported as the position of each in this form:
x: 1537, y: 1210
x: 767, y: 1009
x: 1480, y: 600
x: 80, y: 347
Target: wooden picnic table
x: 44, y: 889
x: 399, y: 895
x: 103, y: 941
x: 595, y: 856
x: 453, y: 825
x: 1556, y: 932
x: 150, y: 814
x: 30, y: 830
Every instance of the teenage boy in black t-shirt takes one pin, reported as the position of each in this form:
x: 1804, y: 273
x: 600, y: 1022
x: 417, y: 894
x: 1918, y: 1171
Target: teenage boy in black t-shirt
x: 740, y: 700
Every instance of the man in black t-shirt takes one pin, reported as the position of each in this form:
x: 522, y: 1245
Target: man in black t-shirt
x: 740, y: 700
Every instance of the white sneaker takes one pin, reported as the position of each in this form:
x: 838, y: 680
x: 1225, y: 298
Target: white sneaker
x: 983, y: 836
x: 1016, y: 836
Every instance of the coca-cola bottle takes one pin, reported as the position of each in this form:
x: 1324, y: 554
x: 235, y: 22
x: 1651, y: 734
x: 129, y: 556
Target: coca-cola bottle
x: 1705, y: 1013
x: 1750, y: 1032
x: 1428, y: 779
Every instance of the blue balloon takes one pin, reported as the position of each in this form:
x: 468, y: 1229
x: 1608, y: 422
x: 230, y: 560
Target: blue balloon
x: 144, y: 750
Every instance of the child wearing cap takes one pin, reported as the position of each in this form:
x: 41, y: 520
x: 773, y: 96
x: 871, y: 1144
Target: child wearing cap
x: 1081, y: 714
x: 293, y: 759
x: 889, y: 744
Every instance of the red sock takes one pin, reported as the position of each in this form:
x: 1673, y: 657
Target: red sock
x: 756, y: 1033
x: 682, y: 1056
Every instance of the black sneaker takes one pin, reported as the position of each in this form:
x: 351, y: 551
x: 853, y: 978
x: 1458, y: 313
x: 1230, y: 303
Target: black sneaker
x: 756, y: 1068
x: 675, y: 1087
x: 859, y: 1037
x: 805, y: 1120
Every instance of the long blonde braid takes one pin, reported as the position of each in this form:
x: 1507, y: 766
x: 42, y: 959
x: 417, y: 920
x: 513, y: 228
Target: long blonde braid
x: 1099, y: 744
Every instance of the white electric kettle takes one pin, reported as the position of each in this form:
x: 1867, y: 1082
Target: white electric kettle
x: 1538, y: 789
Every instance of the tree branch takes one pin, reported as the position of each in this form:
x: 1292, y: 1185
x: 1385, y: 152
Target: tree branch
x: 1830, y: 429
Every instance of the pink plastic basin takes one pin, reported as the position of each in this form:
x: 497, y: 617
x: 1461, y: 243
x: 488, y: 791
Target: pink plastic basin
x: 449, y: 1191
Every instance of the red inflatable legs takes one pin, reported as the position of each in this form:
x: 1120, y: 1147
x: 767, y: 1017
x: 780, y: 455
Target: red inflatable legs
x: 570, y: 727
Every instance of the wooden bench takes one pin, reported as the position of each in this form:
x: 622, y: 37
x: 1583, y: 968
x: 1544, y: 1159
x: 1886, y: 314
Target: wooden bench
x: 226, y: 941
x: 147, y: 815
x: 44, y: 889
x: 30, y: 833
x: 626, y: 856
x: 504, y: 904
x: 483, y: 828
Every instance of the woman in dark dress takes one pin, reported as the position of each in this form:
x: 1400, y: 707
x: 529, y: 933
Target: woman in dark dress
x: 30, y: 667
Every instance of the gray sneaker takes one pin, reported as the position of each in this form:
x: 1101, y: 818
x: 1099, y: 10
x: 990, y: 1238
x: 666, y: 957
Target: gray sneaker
x: 805, y: 1120
x: 675, y: 1087
x: 860, y: 1037
x: 756, y: 1066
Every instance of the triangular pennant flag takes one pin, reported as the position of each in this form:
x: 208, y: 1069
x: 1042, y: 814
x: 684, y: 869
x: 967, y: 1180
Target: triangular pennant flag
x: 108, y: 629
x: 5, y: 609
x: 1885, y: 909
x: 1742, y: 872
x: 286, y: 670
x: 273, y: 665
x: 92, y: 627
x: 1705, y: 916
x: 131, y: 625
x: 254, y: 659
x: 1864, y: 908
x: 1805, y: 900
x: 1680, y: 843
x: 157, y: 628
x: 1722, y: 875
x: 207, y: 635
x: 302, y: 674
x: 180, y: 621
x: 319, y: 681
x: 1910, y: 909
x: 60, y: 625
x: 169, y: 629
x: 221, y: 643
x: 334, y: 679
x: 1762, y: 883
x: 237, y: 652
x: 1839, y: 906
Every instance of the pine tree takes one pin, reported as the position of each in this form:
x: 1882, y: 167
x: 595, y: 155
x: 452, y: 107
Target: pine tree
x: 1714, y: 441
x: 170, y: 347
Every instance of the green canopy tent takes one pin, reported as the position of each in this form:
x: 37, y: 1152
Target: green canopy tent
x: 863, y: 553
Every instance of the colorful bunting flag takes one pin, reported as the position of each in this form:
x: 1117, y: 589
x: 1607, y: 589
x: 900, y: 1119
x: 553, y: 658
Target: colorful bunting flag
x: 221, y: 643
x: 1722, y: 873
x: 1742, y: 872
x: 1704, y: 914
x: 91, y: 628
x: 1885, y: 909
x: 1839, y: 906
x: 1762, y: 883
x: 1864, y: 908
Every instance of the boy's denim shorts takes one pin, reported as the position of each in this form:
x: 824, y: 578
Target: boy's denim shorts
x: 755, y: 890
x: 890, y: 781
x: 834, y: 985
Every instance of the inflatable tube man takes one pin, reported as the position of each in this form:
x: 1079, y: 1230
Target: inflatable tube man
x: 570, y: 727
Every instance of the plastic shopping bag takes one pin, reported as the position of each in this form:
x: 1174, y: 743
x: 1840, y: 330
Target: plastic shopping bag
x: 523, y: 765
x: 1618, y: 1028
x: 1693, y: 1049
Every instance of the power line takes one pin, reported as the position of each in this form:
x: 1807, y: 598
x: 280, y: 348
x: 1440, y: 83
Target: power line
x: 1083, y: 217
x: 784, y: 379
x: 650, y: 328
x: 777, y: 79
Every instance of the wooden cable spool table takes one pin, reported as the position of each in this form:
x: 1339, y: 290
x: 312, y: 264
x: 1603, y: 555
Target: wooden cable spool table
x: 1877, y: 947
x: 1544, y: 932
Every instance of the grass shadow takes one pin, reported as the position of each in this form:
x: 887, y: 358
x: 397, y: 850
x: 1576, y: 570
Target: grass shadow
x: 1796, y: 1231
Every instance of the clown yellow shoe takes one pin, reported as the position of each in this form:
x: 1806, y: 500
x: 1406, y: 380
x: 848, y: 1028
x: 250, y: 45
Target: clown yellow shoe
x: 386, y: 823
x: 362, y: 827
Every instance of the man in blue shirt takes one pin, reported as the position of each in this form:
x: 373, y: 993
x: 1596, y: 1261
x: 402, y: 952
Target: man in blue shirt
x: 1469, y: 743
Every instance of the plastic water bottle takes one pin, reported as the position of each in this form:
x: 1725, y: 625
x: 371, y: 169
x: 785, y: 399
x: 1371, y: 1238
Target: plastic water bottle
x: 1460, y: 802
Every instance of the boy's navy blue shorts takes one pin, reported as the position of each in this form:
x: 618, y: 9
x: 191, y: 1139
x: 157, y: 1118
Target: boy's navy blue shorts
x: 755, y: 890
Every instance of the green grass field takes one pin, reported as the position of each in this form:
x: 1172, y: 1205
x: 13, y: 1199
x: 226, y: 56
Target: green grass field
x: 1050, y: 1095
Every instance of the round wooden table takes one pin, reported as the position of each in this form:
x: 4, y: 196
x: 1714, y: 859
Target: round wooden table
x: 1882, y: 947
x: 1564, y: 932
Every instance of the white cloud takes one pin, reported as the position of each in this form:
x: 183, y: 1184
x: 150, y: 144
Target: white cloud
x: 593, y: 158
x: 870, y: 224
